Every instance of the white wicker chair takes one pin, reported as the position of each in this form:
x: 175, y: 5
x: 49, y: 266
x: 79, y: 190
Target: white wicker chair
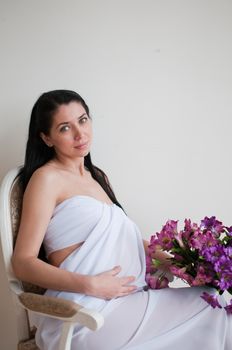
x: 29, y: 297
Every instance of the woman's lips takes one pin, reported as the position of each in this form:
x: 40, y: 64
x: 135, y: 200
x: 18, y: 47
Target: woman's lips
x: 82, y: 146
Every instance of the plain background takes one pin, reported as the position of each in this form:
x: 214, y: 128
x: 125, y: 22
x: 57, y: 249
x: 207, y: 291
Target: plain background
x: 157, y: 77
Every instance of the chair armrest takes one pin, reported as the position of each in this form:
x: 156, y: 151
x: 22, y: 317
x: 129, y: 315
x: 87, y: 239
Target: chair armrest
x: 49, y: 305
x: 62, y: 309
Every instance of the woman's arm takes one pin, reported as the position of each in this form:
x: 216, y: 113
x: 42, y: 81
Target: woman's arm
x: 38, y: 204
x: 39, y: 201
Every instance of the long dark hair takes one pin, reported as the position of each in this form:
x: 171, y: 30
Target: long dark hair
x: 38, y: 153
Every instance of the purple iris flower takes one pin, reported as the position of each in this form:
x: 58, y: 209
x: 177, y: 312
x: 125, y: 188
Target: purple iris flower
x: 228, y: 308
x: 225, y: 281
x: 167, y: 235
x: 189, y: 229
x: 213, y: 253
x: 228, y: 251
x: 200, y: 240
x: 156, y: 282
x: 211, y: 300
x: 222, y: 264
x: 213, y: 225
x: 150, y: 268
x: 229, y: 231
x: 181, y: 273
x: 203, y: 276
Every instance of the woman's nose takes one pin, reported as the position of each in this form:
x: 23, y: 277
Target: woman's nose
x: 77, y: 132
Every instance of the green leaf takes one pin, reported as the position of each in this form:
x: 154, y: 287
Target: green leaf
x: 156, y: 262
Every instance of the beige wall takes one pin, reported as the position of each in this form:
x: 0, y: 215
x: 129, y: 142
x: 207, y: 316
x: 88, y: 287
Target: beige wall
x: 157, y: 77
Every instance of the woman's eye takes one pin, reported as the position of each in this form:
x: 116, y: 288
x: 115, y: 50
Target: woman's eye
x: 84, y: 119
x: 64, y: 128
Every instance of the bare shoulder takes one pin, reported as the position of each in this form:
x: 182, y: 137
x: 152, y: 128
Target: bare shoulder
x: 45, y: 174
x: 44, y: 183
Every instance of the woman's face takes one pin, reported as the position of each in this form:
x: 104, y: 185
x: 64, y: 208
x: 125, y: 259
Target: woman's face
x: 71, y: 131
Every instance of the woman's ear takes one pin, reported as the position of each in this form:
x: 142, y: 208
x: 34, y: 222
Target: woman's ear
x: 46, y: 139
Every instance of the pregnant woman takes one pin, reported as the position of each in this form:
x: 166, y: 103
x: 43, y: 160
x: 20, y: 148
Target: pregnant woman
x: 95, y: 252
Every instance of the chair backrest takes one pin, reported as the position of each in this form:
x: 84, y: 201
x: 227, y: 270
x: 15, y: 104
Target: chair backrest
x: 10, y: 211
x: 11, y: 195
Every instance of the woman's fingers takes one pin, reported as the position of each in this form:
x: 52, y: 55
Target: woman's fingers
x: 126, y: 287
x: 127, y: 290
x: 127, y: 280
x: 114, y: 271
x: 108, y: 285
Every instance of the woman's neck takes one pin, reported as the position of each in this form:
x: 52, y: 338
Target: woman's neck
x: 75, y: 167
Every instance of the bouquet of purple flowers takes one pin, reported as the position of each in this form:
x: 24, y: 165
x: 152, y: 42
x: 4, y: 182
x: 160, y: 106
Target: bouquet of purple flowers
x: 201, y: 255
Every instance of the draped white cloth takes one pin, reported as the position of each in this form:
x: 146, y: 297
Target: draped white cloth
x: 171, y: 318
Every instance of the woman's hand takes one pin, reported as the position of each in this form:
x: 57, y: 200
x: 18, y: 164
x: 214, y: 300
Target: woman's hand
x: 107, y: 285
